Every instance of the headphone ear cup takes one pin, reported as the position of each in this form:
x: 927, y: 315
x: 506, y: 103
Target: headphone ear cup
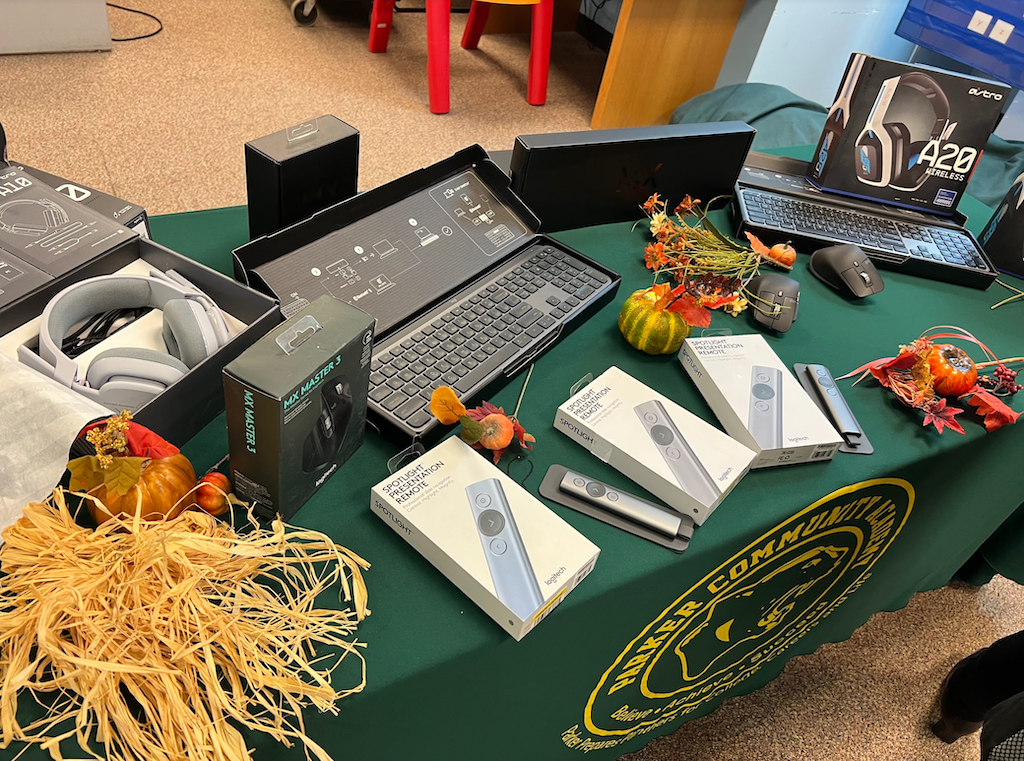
x: 913, y: 167
x: 899, y: 135
x: 188, y: 332
x: 137, y: 364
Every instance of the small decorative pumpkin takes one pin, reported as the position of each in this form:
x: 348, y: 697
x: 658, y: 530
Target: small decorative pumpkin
x: 952, y: 369
x: 157, y: 494
x: 648, y: 324
x: 132, y: 470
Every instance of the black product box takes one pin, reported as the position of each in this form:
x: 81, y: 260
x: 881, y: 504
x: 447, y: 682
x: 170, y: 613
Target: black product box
x: 408, y: 249
x: 296, y: 172
x: 1003, y: 236
x: 578, y: 179
x: 45, y: 229
x: 905, y: 134
x: 296, y: 405
x: 123, y: 212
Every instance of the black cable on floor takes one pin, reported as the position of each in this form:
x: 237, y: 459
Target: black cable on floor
x: 160, y: 24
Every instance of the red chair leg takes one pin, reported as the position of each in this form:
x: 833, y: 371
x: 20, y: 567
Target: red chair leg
x: 438, y: 14
x: 540, y: 52
x: 475, y: 24
x: 380, y: 25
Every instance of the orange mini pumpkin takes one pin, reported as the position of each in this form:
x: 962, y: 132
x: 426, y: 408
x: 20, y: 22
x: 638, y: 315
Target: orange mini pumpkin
x: 158, y: 494
x: 952, y: 370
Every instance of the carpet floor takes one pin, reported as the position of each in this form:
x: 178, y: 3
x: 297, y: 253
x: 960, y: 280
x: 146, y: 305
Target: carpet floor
x: 162, y: 122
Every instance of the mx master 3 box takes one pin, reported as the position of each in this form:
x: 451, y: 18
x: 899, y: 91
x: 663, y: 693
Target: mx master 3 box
x: 905, y: 134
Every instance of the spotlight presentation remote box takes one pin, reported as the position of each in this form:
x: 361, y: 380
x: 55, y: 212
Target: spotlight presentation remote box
x: 506, y: 550
x: 296, y: 405
x: 758, y: 401
x: 684, y: 461
x: 905, y: 134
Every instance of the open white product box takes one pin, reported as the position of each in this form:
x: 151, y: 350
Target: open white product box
x: 758, y: 400
x: 684, y: 461
x: 504, y: 548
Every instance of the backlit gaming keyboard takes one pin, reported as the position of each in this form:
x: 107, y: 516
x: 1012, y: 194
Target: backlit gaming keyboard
x: 482, y: 333
x: 933, y: 251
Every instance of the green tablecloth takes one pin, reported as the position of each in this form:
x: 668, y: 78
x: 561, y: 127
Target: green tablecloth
x: 650, y: 636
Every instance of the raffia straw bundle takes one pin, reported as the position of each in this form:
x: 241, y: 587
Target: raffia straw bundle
x: 154, y: 636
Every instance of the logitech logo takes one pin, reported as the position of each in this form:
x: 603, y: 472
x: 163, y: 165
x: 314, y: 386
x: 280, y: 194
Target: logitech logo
x: 798, y: 439
x: 985, y: 94
x: 566, y: 424
x: 554, y: 576
x: 325, y: 476
x: 394, y: 518
x: 725, y: 475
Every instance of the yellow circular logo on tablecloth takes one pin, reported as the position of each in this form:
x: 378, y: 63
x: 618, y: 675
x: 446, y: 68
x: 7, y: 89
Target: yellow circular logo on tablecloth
x: 745, y: 613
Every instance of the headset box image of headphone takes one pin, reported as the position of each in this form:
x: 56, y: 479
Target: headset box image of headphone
x: 886, y: 153
x: 126, y: 378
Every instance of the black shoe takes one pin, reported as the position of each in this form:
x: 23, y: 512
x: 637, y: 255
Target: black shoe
x: 950, y: 727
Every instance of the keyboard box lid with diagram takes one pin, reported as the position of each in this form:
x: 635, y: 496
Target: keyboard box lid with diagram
x: 296, y: 405
x: 414, y: 247
x: 686, y: 462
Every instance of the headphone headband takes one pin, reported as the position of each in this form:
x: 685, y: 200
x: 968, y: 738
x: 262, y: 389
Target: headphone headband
x: 93, y: 296
x: 930, y: 89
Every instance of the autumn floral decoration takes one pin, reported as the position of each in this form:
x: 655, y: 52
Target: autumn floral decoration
x: 484, y: 427
x: 710, y: 270
x: 928, y: 373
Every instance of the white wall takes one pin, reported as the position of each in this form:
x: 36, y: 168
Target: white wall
x: 804, y: 45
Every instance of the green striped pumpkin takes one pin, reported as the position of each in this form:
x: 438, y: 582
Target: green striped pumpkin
x: 649, y: 328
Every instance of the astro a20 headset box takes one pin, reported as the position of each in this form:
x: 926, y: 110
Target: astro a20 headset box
x: 905, y: 134
x: 296, y: 405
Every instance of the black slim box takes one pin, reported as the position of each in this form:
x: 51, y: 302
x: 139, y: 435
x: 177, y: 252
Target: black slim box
x: 578, y: 179
x: 296, y: 172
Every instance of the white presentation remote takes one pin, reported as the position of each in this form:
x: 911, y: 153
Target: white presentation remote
x: 515, y: 582
x: 690, y: 474
x: 764, y: 416
x: 634, y: 509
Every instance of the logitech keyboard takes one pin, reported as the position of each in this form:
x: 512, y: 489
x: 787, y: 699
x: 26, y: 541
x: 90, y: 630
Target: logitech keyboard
x: 936, y: 251
x: 490, y: 329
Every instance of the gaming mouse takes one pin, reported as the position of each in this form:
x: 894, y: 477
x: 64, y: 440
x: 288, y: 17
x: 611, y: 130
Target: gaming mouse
x: 775, y: 300
x: 847, y: 269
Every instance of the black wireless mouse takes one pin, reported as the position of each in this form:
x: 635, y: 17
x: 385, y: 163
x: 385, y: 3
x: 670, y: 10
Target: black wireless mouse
x: 775, y: 300
x: 847, y: 269
x: 322, y: 444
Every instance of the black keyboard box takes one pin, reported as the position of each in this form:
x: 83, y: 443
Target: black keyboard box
x: 578, y: 179
x: 448, y: 260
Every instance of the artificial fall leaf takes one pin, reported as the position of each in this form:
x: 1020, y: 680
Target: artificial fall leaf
x: 942, y: 416
x: 472, y: 430
x: 445, y: 405
x: 996, y: 413
x: 86, y: 473
x: 522, y: 436
x: 758, y: 246
x: 123, y: 474
x: 693, y: 313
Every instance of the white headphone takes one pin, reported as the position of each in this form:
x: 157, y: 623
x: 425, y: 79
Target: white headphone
x: 127, y: 378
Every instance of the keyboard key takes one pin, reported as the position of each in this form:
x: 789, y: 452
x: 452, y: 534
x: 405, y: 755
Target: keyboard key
x: 377, y: 378
x: 394, y: 401
x: 530, y: 317
x: 413, y: 405
x: 380, y: 394
x: 417, y: 368
x: 463, y: 352
x: 583, y: 292
x: 395, y: 383
x: 572, y: 301
x: 479, y: 355
x: 450, y: 378
x: 432, y: 373
x: 443, y: 366
x: 420, y: 419
x: 523, y: 341
x: 388, y: 370
x: 520, y: 310
x: 534, y: 331
x: 408, y: 343
x: 410, y: 389
x: 469, y: 363
x: 553, y: 300
x: 448, y: 346
x: 431, y: 342
x: 546, y: 321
